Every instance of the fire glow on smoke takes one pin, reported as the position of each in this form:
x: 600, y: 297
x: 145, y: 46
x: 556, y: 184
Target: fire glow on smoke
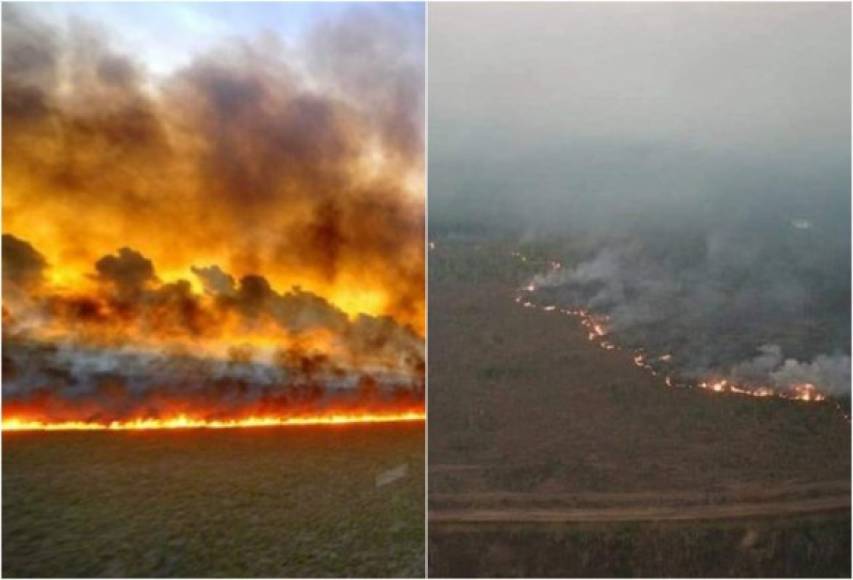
x: 236, y: 243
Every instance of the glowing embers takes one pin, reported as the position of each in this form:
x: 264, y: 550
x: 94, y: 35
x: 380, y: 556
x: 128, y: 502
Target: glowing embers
x: 807, y: 392
x: 801, y: 392
x: 185, y: 422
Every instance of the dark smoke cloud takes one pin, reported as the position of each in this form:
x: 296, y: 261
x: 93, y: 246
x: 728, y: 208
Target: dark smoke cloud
x: 23, y: 265
x: 350, y: 53
x: 129, y: 272
x: 101, y: 366
x: 253, y: 153
x: 132, y: 305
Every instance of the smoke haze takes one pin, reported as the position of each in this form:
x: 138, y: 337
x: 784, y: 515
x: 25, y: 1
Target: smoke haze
x: 694, y: 159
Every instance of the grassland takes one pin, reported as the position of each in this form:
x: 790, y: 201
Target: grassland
x: 776, y: 547
x: 269, y: 502
x: 527, y: 418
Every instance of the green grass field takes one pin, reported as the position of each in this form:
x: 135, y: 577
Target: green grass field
x: 272, y: 502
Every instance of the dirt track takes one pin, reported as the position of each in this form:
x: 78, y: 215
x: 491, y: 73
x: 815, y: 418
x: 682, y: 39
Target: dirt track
x: 641, y: 514
x: 790, y: 499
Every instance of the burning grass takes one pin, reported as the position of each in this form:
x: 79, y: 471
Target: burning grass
x: 184, y: 422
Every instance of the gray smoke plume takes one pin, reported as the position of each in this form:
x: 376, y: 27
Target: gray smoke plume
x: 65, y: 381
x: 757, y: 307
x: 688, y: 164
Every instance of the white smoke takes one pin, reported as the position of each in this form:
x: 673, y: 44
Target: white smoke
x: 830, y: 373
x: 714, y: 301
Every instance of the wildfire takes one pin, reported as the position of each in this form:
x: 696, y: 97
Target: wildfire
x: 171, y: 261
x: 185, y: 422
x: 599, y: 333
x: 803, y: 392
x: 807, y: 392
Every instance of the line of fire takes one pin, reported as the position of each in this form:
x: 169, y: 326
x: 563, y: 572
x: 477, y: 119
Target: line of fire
x: 238, y: 241
x: 664, y: 364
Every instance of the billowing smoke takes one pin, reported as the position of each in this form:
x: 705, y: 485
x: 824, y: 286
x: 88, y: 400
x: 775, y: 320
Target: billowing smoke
x: 137, y: 347
x: 832, y: 373
x: 766, y: 306
x: 300, y: 161
x: 60, y: 382
x: 687, y: 164
x: 23, y: 266
x: 242, y: 234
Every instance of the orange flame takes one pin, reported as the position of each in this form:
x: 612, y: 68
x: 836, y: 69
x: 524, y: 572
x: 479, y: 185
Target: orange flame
x: 185, y: 422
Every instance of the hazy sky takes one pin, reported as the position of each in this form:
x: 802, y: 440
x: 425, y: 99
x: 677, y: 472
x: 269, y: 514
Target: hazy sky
x: 616, y: 99
x: 167, y: 35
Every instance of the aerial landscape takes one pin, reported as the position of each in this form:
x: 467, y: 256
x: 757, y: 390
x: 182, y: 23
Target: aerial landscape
x: 639, y: 291
x: 213, y: 290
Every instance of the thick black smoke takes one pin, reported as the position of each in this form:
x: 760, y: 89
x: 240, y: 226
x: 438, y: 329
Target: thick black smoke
x: 301, y: 162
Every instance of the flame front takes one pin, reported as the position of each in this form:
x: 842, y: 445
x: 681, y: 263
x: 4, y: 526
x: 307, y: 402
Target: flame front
x: 185, y: 422
x: 663, y: 364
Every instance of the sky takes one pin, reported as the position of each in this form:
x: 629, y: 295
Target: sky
x: 664, y: 94
x: 166, y: 35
